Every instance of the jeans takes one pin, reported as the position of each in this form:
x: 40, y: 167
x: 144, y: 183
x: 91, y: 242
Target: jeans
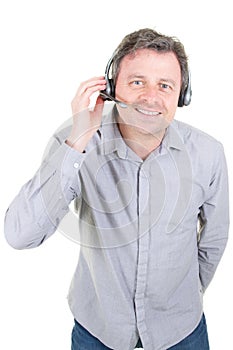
x: 197, y: 340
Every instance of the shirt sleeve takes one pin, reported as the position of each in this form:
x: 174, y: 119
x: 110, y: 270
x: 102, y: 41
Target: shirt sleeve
x: 214, y: 220
x: 41, y: 204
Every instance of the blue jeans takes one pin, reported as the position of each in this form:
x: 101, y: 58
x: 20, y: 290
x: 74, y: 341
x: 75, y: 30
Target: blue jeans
x: 197, y: 340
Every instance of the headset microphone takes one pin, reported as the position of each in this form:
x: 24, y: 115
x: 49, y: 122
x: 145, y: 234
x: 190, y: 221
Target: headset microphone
x: 105, y: 95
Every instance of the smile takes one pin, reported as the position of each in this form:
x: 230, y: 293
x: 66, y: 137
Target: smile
x: 146, y: 112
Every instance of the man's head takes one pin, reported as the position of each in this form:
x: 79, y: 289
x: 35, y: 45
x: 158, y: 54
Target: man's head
x: 150, y: 39
x: 149, y: 75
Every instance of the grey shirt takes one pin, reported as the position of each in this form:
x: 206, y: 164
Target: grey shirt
x: 151, y: 232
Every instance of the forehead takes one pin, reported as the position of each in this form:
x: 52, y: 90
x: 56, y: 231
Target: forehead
x: 149, y: 61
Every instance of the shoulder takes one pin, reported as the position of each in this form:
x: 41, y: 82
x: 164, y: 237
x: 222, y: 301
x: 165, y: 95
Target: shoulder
x: 195, y: 138
x: 205, y: 151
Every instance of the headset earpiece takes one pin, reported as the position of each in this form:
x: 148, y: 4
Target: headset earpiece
x: 185, y: 98
x: 110, y: 88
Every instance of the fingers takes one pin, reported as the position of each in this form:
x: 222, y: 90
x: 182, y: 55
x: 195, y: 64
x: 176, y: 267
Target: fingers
x: 85, y: 121
x: 86, y: 89
x: 92, y: 84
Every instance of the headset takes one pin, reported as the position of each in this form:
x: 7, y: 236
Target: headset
x: 109, y: 92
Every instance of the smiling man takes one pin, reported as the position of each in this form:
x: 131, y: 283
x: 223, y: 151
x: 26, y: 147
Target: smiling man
x: 151, y: 197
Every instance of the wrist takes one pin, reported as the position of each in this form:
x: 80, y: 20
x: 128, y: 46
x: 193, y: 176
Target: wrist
x: 78, y: 145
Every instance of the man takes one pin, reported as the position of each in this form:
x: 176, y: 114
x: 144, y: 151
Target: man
x: 151, y: 199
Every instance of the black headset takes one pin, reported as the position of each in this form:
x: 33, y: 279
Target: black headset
x: 184, y: 98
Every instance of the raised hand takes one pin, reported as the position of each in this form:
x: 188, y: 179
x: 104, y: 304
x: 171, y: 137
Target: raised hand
x: 86, y: 122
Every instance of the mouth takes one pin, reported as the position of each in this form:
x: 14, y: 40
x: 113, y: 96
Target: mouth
x: 147, y: 112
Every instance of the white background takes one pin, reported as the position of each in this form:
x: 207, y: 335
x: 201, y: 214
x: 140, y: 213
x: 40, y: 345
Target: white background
x: 47, y: 49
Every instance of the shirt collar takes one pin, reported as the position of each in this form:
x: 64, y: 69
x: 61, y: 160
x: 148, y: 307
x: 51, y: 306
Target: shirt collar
x: 173, y: 138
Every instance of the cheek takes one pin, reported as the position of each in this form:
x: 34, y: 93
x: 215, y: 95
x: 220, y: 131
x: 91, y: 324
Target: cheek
x: 172, y: 104
x: 120, y: 86
x: 171, y: 110
x: 122, y: 91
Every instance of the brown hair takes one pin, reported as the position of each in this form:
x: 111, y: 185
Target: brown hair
x: 150, y: 39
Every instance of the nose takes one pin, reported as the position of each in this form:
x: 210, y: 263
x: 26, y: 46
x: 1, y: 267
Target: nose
x: 151, y: 94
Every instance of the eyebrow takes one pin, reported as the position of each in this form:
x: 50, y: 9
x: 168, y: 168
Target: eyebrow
x: 136, y: 76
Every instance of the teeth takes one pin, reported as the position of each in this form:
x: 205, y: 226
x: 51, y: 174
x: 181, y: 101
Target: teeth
x: 147, y: 112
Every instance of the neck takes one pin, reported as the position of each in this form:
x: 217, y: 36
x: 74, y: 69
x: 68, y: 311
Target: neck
x: 141, y: 143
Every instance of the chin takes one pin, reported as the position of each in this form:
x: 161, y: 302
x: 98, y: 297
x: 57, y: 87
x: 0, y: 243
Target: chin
x: 152, y: 128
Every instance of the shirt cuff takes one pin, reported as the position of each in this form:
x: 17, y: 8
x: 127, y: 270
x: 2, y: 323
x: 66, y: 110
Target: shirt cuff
x: 67, y: 161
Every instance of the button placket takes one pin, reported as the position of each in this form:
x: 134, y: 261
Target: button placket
x: 76, y: 165
x: 143, y: 250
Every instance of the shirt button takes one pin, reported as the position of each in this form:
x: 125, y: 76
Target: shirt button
x: 76, y: 165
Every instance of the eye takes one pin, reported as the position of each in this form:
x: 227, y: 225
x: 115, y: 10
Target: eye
x: 136, y: 83
x: 165, y: 86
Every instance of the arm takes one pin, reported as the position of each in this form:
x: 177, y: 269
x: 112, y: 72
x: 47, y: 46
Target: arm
x: 41, y: 204
x: 214, y: 219
x: 37, y: 210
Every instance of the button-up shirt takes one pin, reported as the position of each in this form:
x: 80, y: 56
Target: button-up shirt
x: 151, y: 232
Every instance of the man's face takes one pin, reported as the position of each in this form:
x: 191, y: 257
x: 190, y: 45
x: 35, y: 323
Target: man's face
x: 150, y: 82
